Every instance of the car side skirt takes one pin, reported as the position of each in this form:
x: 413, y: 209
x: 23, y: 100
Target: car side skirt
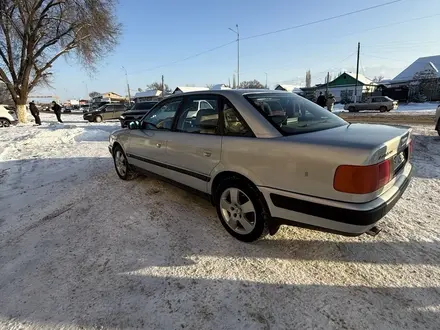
x: 199, y: 176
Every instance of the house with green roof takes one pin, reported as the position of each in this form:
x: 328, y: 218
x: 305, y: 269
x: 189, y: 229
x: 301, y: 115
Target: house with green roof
x: 343, y: 87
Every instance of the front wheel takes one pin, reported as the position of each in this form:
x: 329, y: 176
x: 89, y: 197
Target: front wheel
x: 241, y: 209
x: 351, y: 109
x: 4, y: 123
x: 438, y: 127
x: 123, y: 168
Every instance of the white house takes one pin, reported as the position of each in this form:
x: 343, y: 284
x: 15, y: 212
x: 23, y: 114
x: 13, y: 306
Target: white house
x: 422, y: 64
x: 289, y: 88
x: 149, y: 95
x: 343, y: 87
x: 220, y: 86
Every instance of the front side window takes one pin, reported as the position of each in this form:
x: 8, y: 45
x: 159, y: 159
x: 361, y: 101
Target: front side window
x: 293, y: 114
x: 196, y: 118
x: 162, y: 116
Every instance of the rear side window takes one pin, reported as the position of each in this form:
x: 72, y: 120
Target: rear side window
x: 234, y: 125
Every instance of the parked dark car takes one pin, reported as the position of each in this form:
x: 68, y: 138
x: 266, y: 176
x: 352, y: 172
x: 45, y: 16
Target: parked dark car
x: 106, y: 112
x: 136, y: 112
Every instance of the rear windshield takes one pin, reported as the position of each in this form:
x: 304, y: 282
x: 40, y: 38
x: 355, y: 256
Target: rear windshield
x: 293, y: 114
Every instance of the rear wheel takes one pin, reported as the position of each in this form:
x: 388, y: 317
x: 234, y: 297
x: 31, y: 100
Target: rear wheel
x: 438, y: 127
x: 123, y: 168
x: 383, y: 109
x: 4, y: 122
x: 351, y: 109
x: 98, y: 119
x: 241, y: 209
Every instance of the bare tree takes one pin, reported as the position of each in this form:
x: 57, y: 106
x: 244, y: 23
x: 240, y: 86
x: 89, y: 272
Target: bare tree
x: 378, y: 79
x: 158, y: 86
x: 308, y: 79
x: 209, y: 85
x: 94, y: 94
x: 425, y: 85
x: 251, y: 84
x: 5, y: 96
x: 35, y: 33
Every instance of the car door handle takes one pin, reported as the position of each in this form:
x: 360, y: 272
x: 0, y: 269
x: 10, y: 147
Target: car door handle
x: 207, y: 153
x: 158, y: 145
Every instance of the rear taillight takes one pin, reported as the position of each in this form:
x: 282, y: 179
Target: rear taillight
x: 362, y: 179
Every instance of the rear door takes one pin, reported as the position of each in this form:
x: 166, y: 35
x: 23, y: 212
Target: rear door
x: 147, y: 146
x: 194, y: 146
x: 107, y: 112
x: 118, y: 109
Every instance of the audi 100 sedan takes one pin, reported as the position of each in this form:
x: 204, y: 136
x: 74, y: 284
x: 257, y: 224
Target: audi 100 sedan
x: 270, y: 158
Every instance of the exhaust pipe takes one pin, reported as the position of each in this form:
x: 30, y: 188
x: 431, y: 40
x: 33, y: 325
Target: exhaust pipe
x: 373, y: 231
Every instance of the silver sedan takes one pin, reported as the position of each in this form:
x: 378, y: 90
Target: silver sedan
x: 268, y: 158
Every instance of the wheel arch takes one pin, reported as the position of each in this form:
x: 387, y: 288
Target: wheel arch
x: 220, y: 176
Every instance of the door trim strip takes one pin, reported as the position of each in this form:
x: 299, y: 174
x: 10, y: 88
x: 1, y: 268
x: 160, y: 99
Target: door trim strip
x: 171, y: 167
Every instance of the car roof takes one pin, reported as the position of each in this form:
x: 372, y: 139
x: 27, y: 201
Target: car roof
x: 226, y: 92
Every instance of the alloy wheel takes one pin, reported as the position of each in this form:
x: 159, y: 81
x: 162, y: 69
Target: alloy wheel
x: 238, y: 211
x: 121, y: 163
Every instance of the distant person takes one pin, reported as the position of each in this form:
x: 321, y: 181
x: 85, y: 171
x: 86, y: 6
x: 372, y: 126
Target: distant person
x: 57, y: 109
x: 35, y: 113
x: 330, y: 102
x: 321, y: 101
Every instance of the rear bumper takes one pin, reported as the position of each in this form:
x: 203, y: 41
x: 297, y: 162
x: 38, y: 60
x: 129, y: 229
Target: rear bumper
x: 350, y: 219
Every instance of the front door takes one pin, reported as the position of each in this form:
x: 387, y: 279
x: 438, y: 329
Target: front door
x: 147, y: 147
x: 194, y: 147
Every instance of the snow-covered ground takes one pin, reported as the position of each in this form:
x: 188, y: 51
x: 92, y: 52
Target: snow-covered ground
x: 81, y: 249
x: 413, y: 108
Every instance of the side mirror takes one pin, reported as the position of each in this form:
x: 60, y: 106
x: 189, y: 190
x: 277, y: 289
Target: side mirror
x: 134, y: 125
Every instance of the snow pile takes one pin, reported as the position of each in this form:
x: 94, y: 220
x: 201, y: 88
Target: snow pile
x: 81, y: 249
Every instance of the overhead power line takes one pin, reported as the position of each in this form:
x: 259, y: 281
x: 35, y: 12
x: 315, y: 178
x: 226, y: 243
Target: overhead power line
x: 273, y: 32
x: 187, y: 58
x: 322, y: 20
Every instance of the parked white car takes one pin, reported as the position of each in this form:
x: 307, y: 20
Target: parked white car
x: 437, y: 120
x: 268, y: 158
x: 7, y: 115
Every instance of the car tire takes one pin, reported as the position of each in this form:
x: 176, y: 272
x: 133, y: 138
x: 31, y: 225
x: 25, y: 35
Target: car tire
x: 122, y: 167
x: 231, y: 210
x: 438, y: 127
x: 98, y: 119
x: 351, y: 109
x: 383, y: 109
x: 4, y: 122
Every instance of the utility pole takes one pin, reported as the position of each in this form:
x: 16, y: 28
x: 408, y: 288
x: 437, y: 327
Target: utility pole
x: 238, y: 53
x: 128, y: 86
x: 326, y: 87
x: 266, y: 78
x: 87, y: 88
x: 357, y: 72
x: 163, y: 88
